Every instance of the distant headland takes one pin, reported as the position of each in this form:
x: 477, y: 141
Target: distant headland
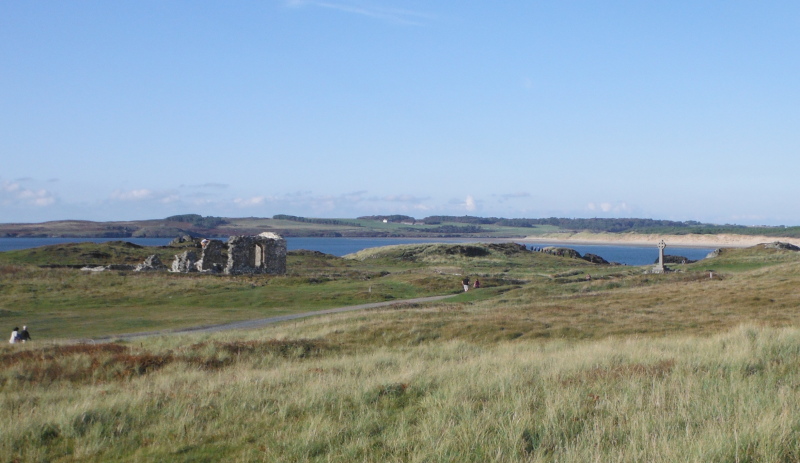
x: 589, y: 231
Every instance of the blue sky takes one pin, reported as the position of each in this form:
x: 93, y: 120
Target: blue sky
x: 682, y: 110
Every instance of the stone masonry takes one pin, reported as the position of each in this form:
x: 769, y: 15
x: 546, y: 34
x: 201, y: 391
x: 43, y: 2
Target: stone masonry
x: 212, y: 260
x: 264, y: 253
x: 185, y: 262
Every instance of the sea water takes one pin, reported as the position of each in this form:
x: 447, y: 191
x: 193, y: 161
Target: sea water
x: 628, y: 255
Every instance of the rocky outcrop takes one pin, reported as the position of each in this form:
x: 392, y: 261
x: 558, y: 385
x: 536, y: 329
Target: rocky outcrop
x: 103, y: 268
x: 781, y: 245
x: 563, y: 252
x: 183, y: 239
x: 508, y: 249
x: 594, y: 258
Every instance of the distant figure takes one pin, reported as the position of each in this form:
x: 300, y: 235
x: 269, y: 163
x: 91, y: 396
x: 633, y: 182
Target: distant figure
x: 588, y: 277
x: 477, y: 284
x: 24, y: 335
x: 204, y: 242
x: 465, y: 282
x: 14, y: 336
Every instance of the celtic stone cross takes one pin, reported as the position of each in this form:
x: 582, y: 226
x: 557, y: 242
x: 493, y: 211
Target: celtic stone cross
x: 661, y: 246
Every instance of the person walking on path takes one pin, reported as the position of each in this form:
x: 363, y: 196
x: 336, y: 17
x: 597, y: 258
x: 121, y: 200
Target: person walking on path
x: 24, y: 335
x: 465, y: 282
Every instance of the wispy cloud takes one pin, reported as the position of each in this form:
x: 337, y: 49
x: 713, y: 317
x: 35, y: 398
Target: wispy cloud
x: 368, y: 9
x: 13, y: 193
x: 607, y: 207
x: 253, y: 201
x: 404, y: 198
x: 468, y: 204
x: 346, y: 204
x: 209, y: 185
x: 513, y: 196
x: 144, y: 194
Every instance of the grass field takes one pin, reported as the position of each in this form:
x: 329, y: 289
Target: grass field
x: 165, y: 228
x: 539, y: 365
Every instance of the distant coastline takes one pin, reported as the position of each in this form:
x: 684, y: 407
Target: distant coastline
x: 635, y: 239
x: 623, y: 232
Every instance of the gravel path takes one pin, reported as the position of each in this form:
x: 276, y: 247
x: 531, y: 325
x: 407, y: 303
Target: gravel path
x: 257, y: 323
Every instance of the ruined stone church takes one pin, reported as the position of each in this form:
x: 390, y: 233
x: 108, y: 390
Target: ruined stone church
x: 264, y: 253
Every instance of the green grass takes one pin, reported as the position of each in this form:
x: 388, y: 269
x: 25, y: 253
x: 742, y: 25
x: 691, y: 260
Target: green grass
x: 540, y: 365
x: 90, y: 254
x: 67, y: 302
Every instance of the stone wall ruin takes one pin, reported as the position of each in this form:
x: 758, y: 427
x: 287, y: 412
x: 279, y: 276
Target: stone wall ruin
x: 264, y: 253
x: 259, y: 254
x: 213, y: 258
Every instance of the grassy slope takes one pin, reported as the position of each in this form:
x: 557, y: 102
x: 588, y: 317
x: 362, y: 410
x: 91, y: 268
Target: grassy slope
x: 588, y: 228
x: 542, y: 365
x: 66, y: 302
x: 252, y: 225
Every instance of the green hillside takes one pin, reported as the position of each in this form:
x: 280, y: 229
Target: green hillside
x: 373, y: 226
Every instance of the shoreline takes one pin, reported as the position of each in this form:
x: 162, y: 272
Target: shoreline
x: 697, y: 241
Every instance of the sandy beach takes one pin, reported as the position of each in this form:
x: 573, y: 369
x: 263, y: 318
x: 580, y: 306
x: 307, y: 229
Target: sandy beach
x: 705, y: 241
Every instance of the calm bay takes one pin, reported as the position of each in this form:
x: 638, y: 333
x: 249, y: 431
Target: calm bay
x: 628, y: 255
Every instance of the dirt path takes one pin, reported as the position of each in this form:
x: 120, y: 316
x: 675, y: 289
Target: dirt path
x: 257, y: 323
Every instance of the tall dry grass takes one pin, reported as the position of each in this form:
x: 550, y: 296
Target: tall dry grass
x: 730, y: 397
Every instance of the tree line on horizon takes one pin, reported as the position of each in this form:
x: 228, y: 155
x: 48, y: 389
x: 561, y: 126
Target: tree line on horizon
x: 473, y: 223
x: 294, y: 218
x: 198, y: 220
x: 597, y: 224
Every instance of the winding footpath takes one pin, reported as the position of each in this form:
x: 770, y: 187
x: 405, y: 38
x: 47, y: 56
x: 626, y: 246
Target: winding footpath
x: 257, y: 323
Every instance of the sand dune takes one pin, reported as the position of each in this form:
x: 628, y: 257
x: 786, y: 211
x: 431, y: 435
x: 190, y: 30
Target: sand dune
x: 706, y: 241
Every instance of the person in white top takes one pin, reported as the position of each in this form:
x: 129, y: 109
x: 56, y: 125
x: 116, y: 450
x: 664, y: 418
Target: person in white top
x: 14, y: 336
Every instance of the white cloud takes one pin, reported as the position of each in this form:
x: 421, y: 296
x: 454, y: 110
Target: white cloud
x: 144, y: 194
x: 607, y: 207
x: 470, y: 204
x: 132, y: 195
x: 250, y: 202
x: 12, y: 193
